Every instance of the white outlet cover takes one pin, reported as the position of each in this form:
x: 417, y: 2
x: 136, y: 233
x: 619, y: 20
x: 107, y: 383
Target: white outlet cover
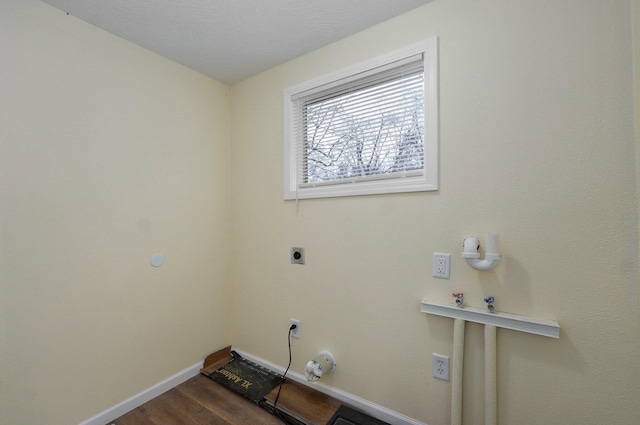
x: 441, y: 265
x: 440, y: 366
x: 295, y: 332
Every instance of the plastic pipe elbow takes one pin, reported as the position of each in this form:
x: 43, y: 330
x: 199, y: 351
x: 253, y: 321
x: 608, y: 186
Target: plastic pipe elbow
x: 472, y: 256
x: 470, y: 247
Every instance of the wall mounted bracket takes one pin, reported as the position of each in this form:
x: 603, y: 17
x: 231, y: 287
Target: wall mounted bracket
x: 516, y: 322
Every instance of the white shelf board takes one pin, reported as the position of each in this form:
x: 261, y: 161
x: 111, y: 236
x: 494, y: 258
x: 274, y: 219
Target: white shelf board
x: 515, y: 322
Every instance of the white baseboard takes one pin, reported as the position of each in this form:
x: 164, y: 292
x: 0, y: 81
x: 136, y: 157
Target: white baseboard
x: 146, y: 395
x: 372, y: 409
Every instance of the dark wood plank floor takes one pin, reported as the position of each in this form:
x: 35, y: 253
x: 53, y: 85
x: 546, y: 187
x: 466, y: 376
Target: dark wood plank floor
x: 201, y: 401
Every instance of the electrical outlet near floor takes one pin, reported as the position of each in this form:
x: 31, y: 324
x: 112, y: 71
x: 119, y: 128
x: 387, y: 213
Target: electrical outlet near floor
x: 295, y: 332
x: 440, y: 366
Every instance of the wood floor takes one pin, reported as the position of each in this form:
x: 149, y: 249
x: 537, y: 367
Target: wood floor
x: 201, y: 401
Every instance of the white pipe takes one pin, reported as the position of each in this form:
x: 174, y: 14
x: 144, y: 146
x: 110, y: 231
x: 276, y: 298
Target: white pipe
x: 491, y: 240
x: 456, y: 372
x: 472, y: 256
x: 490, y: 385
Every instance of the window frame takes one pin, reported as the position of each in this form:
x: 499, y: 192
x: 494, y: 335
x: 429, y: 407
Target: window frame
x: 408, y: 182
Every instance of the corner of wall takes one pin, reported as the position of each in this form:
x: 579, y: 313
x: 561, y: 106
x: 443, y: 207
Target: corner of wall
x: 636, y: 91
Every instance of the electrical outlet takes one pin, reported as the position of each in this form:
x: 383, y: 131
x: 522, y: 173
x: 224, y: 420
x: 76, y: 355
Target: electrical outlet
x: 441, y: 265
x: 297, y: 255
x: 295, y: 332
x: 440, y: 366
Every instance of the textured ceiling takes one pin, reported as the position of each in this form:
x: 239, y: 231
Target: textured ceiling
x: 230, y: 40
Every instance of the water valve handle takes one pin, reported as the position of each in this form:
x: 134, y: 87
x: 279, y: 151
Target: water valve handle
x: 459, y: 296
x: 489, y: 301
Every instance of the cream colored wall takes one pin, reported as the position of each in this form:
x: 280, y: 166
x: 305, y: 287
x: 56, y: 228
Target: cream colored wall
x: 636, y: 79
x: 537, y: 145
x: 109, y: 154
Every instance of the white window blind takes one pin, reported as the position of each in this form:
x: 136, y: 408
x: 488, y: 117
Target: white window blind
x: 363, y: 132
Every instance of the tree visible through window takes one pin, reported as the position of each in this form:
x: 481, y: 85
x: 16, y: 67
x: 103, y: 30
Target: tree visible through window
x: 368, y: 129
x: 376, y: 130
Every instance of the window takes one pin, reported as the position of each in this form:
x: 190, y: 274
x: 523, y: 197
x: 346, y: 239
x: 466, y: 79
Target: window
x: 368, y: 129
